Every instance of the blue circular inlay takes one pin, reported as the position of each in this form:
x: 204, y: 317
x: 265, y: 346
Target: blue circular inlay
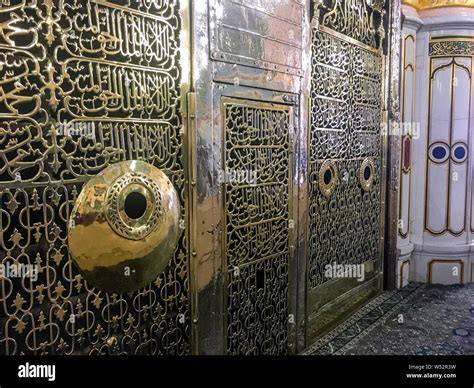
x: 439, y: 152
x: 460, y: 153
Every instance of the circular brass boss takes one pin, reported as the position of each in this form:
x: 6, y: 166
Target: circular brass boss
x: 124, y: 226
x: 328, y: 176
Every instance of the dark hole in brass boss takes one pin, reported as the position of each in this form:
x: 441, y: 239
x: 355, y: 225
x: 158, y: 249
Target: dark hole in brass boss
x: 327, y: 176
x: 135, y: 205
x: 367, y: 173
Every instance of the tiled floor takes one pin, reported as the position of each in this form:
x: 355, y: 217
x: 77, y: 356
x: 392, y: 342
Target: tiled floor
x: 419, y: 319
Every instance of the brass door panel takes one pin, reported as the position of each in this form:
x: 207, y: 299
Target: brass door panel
x: 257, y: 218
x: 84, y: 85
x: 345, y: 160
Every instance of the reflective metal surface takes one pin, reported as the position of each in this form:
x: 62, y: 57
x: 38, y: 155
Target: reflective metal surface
x: 83, y: 85
x: 258, y: 33
x: 345, y: 214
x: 247, y: 118
x: 328, y: 178
x: 124, y: 227
x: 392, y: 143
x: 360, y: 20
x: 257, y: 140
x: 261, y: 113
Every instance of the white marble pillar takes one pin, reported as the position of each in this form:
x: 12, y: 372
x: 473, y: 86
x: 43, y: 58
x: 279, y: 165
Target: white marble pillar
x: 436, y: 233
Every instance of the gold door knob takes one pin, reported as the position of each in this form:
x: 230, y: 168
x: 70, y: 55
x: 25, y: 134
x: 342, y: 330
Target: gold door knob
x: 124, y: 227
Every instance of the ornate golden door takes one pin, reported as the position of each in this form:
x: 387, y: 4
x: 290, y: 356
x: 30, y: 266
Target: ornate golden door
x: 345, y: 160
x: 248, y: 118
x: 84, y: 85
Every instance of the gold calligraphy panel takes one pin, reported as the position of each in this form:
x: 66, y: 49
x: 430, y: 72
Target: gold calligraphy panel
x: 84, y: 84
x: 345, y: 158
x: 361, y: 20
x: 257, y: 162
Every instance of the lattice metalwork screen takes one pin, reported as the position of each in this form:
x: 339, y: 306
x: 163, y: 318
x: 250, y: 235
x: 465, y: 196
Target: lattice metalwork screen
x: 257, y: 208
x: 344, y: 145
x: 84, y: 84
x: 345, y: 133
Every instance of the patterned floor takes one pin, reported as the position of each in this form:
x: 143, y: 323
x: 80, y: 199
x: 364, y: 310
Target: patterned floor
x: 417, y: 320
